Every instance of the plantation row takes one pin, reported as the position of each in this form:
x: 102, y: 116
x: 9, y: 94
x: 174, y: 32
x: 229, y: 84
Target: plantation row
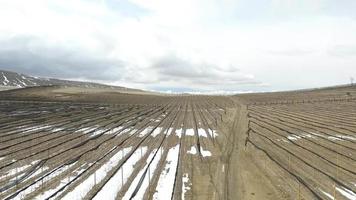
x: 331, y: 94
x: 58, y: 150
x: 313, y: 143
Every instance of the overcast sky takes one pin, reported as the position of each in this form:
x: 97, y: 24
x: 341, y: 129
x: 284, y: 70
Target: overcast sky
x: 183, y: 45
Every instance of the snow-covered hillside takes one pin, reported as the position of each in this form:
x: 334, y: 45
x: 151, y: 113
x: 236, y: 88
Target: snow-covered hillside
x: 13, y: 79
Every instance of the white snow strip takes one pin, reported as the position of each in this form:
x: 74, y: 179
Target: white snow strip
x: 83, y: 189
x: 23, y: 83
x: 126, y: 130
x: 147, y: 180
x: 134, y: 183
x: 86, y: 129
x: 165, y: 183
x: 77, y: 172
x: 294, y: 137
x: 192, y: 150
x: 29, y: 80
x: 114, y: 130
x: 145, y: 131
x: 283, y: 140
x: 345, y: 137
x: 18, y: 85
x: 156, y: 131
x: 56, y: 130
x: 205, y: 153
x: 347, y: 193
x: 37, y: 185
x: 113, y: 186
x: 190, y: 132
x: 202, y: 133
x: 96, y: 130
x: 327, y: 194
x: 6, y: 81
x: 186, y: 185
x: 36, y: 128
x: 179, y: 132
x: 132, y: 131
x: 297, y: 137
x: 169, y: 132
x: 18, y: 170
x: 37, y: 172
x: 48, y: 193
x: 213, y: 133
x: 336, y: 137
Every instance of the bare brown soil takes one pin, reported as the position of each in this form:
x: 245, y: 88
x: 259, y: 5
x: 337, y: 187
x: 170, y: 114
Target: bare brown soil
x: 55, y: 142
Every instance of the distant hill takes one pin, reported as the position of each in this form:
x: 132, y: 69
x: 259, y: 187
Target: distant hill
x: 17, y: 80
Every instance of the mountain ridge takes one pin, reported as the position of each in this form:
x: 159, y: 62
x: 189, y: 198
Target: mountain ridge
x: 19, y: 80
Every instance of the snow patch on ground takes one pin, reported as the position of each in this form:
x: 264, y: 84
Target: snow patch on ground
x: 156, y: 131
x: 96, y: 130
x: 137, y: 179
x: 87, y: 129
x: 39, y: 183
x: 18, y: 170
x: 294, y: 137
x: 113, y: 186
x: 133, y: 131
x: 342, y: 137
x: 166, y: 180
x: 63, y: 182
x: 205, y: 153
x: 213, y: 133
x: 23, y: 83
x: 6, y: 81
x: 82, y: 189
x: 192, y: 150
x: 145, y: 131
x: 179, y: 132
x: 36, y: 128
x: 202, y: 133
x: 169, y: 131
x: 190, y: 132
x: 38, y: 172
x: 347, y: 193
x: 297, y: 137
x: 185, y: 185
x: 55, y: 130
x: 114, y: 130
x: 327, y: 194
x: 283, y: 140
x: 336, y: 137
x: 147, y: 179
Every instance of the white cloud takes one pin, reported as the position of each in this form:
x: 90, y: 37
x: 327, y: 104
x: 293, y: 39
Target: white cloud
x: 210, y: 45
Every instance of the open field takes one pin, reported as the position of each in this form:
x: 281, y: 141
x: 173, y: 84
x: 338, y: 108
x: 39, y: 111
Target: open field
x: 59, y: 144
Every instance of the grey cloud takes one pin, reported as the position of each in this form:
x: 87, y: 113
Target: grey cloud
x: 173, y: 68
x: 33, y: 56
x: 176, y: 67
x: 30, y: 55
